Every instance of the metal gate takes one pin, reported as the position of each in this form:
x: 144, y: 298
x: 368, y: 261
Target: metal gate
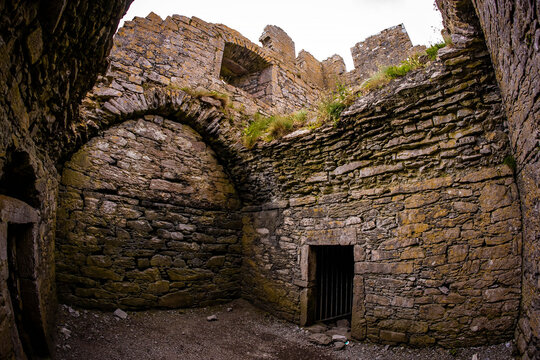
x: 335, y: 272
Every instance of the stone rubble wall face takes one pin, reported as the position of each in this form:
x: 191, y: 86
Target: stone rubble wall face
x: 273, y: 37
x: 414, y: 179
x: 310, y: 68
x: 148, y: 219
x: 389, y: 47
x: 258, y: 84
x: 49, y: 57
x: 512, y: 31
x: 181, y: 52
x: 333, y: 71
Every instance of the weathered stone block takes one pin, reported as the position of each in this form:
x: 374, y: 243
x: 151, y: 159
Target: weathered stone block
x: 215, y: 261
x: 493, y: 197
x: 178, y: 299
x: 189, y: 274
x: 392, y: 336
x: 457, y: 253
x: 140, y: 225
x: 383, y: 268
x: 158, y: 287
x: 122, y: 287
x: 431, y: 312
x: 161, y: 261
x: 101, y: 273
x: 149, y: 275
x: 99, y: 260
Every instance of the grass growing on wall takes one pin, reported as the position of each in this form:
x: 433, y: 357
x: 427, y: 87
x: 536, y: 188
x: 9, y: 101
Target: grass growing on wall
x: 386, y: 74
x: 268, y: 128
x: 272, y: 127
x: 433, y: 50
x: 221, y: 97
x: 331, y: 106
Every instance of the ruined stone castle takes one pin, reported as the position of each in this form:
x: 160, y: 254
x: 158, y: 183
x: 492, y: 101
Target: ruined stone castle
x: 124, y: 181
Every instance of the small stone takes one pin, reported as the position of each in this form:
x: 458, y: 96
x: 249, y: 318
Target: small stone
x: 339, y: 345
x: 212, y: 318
x: 66, y: 332
x: 444, y: 290
x: 345, y: 331
x: 317, y: 328
x: 474, y: 357
x: 229, y: 309
x: 73, y: 312
x: 120, y: 313
x: 107, y: 92
x: 339, y: 338
x: 321, y: 339
x: 211, y: 101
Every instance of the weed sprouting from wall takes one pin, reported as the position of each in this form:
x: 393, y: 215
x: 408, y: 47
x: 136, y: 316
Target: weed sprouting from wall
x: 510, y: 161
x: 331, y: 106
x: 272, y: 127
x: 433, y: 50
x: 329, y: 109
x: 386, y: 74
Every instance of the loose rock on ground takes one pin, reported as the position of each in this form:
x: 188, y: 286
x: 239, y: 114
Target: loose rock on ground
x: 245, y: 333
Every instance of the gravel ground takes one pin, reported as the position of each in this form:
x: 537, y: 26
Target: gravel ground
x: 243, y: 332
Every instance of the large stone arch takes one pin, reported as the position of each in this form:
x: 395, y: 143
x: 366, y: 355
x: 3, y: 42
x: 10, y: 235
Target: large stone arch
x: 200, y: 113
x: 147, y: 218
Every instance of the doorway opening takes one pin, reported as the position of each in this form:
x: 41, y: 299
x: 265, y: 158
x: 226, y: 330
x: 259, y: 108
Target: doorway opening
x: 334, y: 282
x: 23, y: 290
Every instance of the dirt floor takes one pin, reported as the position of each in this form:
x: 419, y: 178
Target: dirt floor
x: 240, y: 332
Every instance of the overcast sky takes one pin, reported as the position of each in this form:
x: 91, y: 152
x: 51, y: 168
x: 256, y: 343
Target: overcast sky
x: 321, y: 27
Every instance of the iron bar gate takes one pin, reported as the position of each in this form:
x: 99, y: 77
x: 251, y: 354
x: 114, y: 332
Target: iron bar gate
x: 335, y: 272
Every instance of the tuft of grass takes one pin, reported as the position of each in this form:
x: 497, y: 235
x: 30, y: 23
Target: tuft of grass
x: 510, y: 161
x: 376, y: 81
x: 330, y: 110
x: 403, y: 68
x: 385, y: 75
x: 255, y: 130
x: 283, y: 125
x: 331, y: 106
x: 272, y: 127
x: 434, y: 49
x: 224, y: 99
x: 268, y: 128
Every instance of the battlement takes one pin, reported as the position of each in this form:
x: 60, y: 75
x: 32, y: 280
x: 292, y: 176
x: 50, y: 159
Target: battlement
x: 189, y: 52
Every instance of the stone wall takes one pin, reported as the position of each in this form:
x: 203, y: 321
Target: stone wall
x: 512, y: 32
x: 413, y: 178
x: 147, y: 219
x: 333, y: 69
x: 310, y: 68
x: 274, y: 38
x: 435, y: 138
x: 181, y: 52
x: 49, y: 57
x: 389, y: 47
